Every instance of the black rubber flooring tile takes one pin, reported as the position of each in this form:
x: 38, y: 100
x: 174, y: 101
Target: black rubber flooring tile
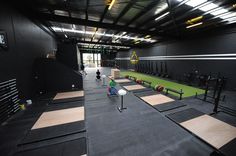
x: 128, y: 84
x: 69, y: 148
x: 37, y: 135
x: 223, y: 116
x: 67, y: 100
x: 229, y: 149
x: 146, y: 93
x: 185, y: 115
x: 49, y: 142
x: 47, y: 96
x: 169, y: 106
x: 59, y: 106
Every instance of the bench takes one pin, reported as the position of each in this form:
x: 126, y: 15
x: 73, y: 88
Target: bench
x: 133, y: 78
x: 175, y: 91
x: 147, y: 83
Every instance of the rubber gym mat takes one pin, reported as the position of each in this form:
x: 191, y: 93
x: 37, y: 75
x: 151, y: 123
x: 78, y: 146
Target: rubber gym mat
x: 45, y: 143
x: 142, y: 90
x: 213, y: 131
x: 47, y: 96
x: 156, y: 99
x: 169, y: 106
x: 53, y: 132
x: 134, y: 87
x: 229, y: 149
x: 127, y: 84
x: 69, y: 148
x: 184, y: 115
x: 65, y: 105
x: 146, y: 93
x: 67, y: 100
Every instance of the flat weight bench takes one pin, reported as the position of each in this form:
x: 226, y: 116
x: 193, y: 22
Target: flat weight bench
x: 133, y: 78
x: 146, y: 83
x: 175, y: 91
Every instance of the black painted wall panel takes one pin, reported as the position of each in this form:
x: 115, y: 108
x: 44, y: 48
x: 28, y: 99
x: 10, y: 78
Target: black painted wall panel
x: 67, y: 54
x: 26, y: 42
x: 214, y: 44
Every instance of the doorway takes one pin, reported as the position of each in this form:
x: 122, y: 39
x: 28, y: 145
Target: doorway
x: 92, y: 60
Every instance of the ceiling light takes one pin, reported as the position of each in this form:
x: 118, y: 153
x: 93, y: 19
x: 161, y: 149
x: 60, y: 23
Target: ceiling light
x: 161, y: 8
x: 160, y: 17
x: 231, y: 19
x: 194, y: 3
x: 194, y: 25
x: 147, y: 36
x: 66, y: 36
x: 228, y: 15
x: 137, y: 42
x: 219, y: 11
x: 111, y: 4
x: 234, y: 5
x: 100, y: 34
x: 208, y: 7
x: 104, y: 45
x: 230, y: 22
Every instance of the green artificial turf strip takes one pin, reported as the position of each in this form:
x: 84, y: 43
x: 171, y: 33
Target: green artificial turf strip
x: 188, y: 90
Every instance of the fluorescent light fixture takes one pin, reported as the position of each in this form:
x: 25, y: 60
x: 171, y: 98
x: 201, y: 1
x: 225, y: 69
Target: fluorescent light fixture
x: 147, y: 36
x: 228, y: 15
x: 161, y: 8
x: 219, y: 11
x: 194, y: 25
x: 160, y: 17
x: 137, y: 42
x: 101, y: 34
x: 231, y: 19
x: 208, y: 7
x: 104, y: 45
x: 111, y: 4
x: 194, y: 3
x: 230, y: 22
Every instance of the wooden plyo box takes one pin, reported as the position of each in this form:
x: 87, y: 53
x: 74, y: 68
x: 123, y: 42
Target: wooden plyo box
x: 115, y: 73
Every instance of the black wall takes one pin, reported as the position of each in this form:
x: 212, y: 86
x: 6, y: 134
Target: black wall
x: 67, y: 54
x: 212, y: 44
x: 108, y: 59
x: 53, y: 76
x: 26, y: 42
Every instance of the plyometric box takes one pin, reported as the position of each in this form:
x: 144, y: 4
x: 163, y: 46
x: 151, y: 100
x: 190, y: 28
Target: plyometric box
x: 115, y: 73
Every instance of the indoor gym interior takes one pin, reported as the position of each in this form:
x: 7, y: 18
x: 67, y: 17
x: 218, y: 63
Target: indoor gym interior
x: 118, y: 78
